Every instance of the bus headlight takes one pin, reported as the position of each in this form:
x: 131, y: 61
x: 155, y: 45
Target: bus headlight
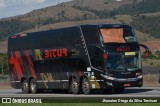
x: 139, y: 75
x: 108, y: 77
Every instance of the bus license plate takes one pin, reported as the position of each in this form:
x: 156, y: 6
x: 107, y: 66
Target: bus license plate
x: 126, y: 85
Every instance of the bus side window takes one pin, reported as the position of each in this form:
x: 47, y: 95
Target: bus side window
x: 91, y: 35
x: 98, y: 59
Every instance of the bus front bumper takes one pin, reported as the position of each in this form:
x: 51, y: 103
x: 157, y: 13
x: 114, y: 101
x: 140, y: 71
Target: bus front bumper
x: 123, y: 82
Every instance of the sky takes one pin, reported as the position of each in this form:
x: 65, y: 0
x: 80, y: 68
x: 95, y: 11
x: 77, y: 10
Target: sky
x: 10, y: 8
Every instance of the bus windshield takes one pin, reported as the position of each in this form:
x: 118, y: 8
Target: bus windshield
x: 132, y: 61
x: 120, y: 61
x: 117, y: 35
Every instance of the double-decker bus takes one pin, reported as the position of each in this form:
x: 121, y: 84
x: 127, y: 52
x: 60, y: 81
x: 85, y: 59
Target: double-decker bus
x: 79, y: 58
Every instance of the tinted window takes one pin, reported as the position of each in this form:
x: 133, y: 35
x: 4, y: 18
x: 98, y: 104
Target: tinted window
x: 118, y: 35
x: 91, y: 35
x: 46, y: 39
x: 68, y: 37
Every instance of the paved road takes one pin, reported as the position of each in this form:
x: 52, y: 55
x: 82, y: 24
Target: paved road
x: 130, y: 92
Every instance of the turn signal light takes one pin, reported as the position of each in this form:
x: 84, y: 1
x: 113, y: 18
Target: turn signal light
x: 14, y: 36
x: 138, y: 73
x: 105, y: 55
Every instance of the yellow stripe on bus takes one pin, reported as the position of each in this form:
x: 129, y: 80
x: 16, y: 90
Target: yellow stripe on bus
x: 38, y: 54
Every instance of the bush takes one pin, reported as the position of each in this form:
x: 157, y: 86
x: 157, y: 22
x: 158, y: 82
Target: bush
x: 3, y: 64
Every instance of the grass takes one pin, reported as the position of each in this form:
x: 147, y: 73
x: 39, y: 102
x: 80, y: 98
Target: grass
x: 86, y: 104
x: 150, y: 80
x: 4, y: 84
x: 151, y: 62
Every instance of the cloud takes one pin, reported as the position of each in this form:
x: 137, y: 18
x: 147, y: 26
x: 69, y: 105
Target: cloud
x: 32, y: 1
x: 2, y: 3
x: 39, y: 1
x: 17, y: 2
x: 10, y: 8
x: 5, y: 3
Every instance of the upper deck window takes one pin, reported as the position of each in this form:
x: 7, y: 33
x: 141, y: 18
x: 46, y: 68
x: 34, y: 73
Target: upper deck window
x: 91, y: 35
x: 117, y: 35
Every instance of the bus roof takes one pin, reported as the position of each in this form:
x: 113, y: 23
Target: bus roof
x: 107, y: 26
x: 86, y: 25
x: 48, y: 38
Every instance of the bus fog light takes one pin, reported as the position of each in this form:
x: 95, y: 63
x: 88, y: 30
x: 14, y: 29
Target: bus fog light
x: 140, y: 83
x: 138, y: 74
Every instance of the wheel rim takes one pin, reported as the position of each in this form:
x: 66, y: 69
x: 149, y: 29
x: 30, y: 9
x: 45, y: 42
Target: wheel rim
x: 85, y: 86
x: 74, y: 86
x: 25, y: 87
x: 33, y: 87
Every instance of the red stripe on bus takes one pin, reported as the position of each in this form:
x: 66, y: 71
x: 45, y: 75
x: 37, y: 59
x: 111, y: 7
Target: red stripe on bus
x: 30, y: 64
x: 17, y: 65
x: 12, y: 61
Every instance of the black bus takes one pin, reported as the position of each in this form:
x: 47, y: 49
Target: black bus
x: 79, y: 59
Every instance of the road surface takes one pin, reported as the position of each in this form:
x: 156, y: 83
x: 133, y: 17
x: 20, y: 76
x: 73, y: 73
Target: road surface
x: 129, y: 92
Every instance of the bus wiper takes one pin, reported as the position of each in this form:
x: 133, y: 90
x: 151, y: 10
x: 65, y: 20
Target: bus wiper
x: 132, y: 68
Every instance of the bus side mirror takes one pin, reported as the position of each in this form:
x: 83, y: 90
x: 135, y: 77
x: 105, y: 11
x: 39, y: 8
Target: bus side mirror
x: 146, y: 50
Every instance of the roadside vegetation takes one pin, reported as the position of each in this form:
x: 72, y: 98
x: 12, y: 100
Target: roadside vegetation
x: 155, y: 55
x: 3, y: 64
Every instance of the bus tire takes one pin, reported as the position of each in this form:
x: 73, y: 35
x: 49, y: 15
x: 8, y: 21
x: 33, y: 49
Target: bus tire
x: 74, y: 86
x: 25, y: 87
x: 119, y: 90
x: 86, y: 88
x: 33, y: 86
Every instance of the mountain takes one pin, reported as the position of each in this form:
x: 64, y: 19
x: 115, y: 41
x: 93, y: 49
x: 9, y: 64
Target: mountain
x: 153, y: 44
x: 143, y: 15
x: 142, y: 37
x: 70, y: 10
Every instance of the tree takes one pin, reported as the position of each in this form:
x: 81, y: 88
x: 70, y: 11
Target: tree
x: 157, y: 53
x: 3, y: 64
x: 151, y: 55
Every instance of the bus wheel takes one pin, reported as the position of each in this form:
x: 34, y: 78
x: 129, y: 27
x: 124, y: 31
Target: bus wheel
x: 74, y: 86
x: 33, y: 86
x: 25, y: 87
x: 118, y: 90
x: 86, y: 88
